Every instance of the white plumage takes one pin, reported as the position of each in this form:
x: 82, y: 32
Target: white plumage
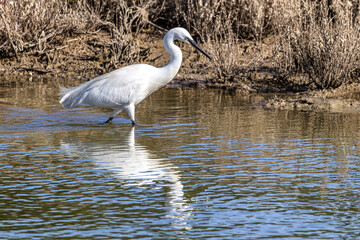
x: 125, y: 87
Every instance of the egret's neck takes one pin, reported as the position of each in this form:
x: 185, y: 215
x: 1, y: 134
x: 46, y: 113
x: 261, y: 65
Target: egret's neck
x: 173, y: 67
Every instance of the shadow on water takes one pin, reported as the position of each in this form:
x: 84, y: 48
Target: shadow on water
x: 200, y: 164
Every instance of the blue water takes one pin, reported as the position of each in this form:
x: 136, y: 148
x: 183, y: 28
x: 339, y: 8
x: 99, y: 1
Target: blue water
x: 199, y: 165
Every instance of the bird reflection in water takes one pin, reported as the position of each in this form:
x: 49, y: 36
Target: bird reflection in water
x: 137, y: 167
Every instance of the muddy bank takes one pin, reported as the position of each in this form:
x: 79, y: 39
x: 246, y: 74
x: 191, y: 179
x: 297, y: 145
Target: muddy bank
x: 77, y: 60
x: 307, y: 103
x: 85, y: 57
x: 343, y: 99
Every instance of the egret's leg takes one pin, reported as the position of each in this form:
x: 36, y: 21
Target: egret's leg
x: 130, y: 109
x: 115, y: 112
x: 109, y: 120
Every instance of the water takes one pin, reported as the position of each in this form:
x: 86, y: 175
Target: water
x: 200, y: 165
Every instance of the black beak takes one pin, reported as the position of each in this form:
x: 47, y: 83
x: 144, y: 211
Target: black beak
x: 192, y: 42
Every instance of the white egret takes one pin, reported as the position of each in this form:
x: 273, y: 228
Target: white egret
x: 125, y: 87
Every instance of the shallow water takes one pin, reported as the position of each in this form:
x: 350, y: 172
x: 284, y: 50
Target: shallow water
x: 200, y: 165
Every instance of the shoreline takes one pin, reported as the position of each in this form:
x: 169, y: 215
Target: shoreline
x: 82, y: 59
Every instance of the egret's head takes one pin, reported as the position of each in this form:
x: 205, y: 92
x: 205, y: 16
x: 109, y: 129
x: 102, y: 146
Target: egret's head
x: 183, y: 35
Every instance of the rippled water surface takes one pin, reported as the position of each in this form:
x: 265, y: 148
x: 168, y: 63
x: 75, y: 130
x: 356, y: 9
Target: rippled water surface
x: 200, y: 165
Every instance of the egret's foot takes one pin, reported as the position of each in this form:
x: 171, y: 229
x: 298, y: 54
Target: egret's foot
x: 109, y: 120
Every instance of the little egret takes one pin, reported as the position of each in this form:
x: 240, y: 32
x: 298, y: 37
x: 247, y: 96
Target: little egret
x: 125, y: 87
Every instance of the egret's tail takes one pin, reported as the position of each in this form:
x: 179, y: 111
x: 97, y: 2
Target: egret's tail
x: 69, y: 96
x: 86, y: 94
x: 63, y: 91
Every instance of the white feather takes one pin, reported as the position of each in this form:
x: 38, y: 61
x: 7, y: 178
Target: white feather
x: 124, y: 88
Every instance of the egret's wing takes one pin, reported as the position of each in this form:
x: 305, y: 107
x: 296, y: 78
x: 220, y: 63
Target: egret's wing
x: 119, y: 87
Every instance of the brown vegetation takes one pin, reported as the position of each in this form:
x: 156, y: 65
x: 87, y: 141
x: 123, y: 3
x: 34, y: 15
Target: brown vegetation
x: 321, y: 40
x: 302, y: 44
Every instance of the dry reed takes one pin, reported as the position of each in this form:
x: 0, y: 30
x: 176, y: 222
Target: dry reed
x: 318, y: 40
x: 223, y: 25
x: 31, y: 26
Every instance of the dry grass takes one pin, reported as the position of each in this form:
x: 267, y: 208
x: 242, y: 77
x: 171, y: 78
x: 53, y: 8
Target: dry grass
x: 223, y: 26
x: 27, y: 25
x: 30, y: 26
x: 317, y: 40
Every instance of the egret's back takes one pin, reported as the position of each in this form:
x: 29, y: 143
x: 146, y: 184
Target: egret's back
x: 126, y: 85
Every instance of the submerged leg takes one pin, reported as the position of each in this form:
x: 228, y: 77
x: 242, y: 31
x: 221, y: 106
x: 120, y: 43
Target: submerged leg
x: 130, y: 109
